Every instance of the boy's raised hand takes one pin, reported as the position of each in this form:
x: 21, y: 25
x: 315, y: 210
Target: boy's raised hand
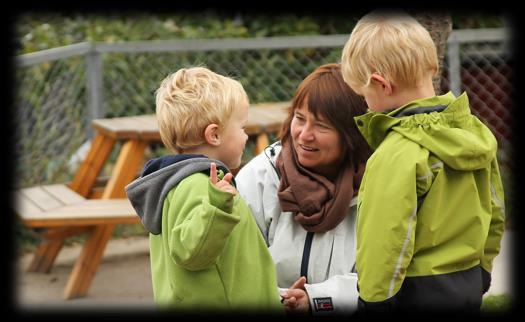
x: 225, y: 183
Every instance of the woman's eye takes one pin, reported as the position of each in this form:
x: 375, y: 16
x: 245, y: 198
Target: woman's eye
x: 299, y: 118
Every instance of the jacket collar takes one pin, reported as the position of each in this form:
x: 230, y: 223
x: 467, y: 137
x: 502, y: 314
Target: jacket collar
x: 375, y: 126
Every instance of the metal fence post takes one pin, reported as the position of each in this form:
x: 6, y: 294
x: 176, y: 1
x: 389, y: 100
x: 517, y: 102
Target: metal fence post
x: 94, y: 86
x: 454, y: 65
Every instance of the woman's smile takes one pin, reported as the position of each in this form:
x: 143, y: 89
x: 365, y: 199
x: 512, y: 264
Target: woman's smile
x: 308, y: 148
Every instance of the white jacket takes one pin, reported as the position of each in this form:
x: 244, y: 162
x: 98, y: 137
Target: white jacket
x: 331, y: 284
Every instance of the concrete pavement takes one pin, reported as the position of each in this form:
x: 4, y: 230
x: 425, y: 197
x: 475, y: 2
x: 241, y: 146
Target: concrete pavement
x: 123, y: 279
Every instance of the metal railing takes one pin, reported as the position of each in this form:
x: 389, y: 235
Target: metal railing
x: 60, y: 90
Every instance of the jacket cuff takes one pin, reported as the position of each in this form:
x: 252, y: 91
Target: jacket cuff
x: 325, y: 300
x: 220, y: 198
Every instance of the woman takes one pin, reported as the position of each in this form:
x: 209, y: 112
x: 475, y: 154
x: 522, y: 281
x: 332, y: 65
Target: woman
x: 302, y: 191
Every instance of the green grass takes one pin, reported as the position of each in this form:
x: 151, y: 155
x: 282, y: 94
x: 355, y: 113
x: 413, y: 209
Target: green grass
x: 496, y: 304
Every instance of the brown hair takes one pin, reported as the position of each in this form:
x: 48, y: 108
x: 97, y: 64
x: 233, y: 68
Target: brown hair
x: 330, y: 97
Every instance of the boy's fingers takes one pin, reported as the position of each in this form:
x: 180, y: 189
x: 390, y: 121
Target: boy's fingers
x: 213, y: 173
x: 228, y: 177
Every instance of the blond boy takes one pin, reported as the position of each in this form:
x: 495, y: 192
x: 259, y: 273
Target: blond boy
x: 206, y: 250
x: 431, y: 208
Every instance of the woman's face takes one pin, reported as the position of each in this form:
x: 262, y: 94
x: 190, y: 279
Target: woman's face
x: 317, y: 144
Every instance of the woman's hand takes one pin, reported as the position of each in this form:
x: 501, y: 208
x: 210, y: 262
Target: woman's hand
x: 225, y: 183
x: 295, y: 299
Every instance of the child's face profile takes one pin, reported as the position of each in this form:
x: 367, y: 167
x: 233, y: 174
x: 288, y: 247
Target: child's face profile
x: 373, y: 95
x: 234, y: 138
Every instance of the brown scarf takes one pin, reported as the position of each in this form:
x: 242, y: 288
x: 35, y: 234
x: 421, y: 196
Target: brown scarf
x: 317, y: 203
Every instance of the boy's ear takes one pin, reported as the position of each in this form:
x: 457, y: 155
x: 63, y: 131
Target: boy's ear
x: 385, y: 85
x: 211, y: 134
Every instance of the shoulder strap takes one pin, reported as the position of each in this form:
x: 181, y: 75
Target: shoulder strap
x: 271, y: 149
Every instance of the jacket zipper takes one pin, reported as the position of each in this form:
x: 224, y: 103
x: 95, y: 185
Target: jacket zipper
x: 306, y: 254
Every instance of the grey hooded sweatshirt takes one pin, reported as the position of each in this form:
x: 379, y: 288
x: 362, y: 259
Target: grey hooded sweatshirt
x: 159, y: 176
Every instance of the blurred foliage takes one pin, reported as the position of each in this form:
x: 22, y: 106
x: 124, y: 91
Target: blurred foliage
x: 38, y: 31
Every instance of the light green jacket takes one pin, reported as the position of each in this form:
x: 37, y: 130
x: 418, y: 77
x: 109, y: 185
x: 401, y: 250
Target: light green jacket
x: 431, y: 200
x: 210, y: 254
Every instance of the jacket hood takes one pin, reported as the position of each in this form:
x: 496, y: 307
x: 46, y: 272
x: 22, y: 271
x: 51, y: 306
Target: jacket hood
x: 441, y: 124
x: 147, y: 193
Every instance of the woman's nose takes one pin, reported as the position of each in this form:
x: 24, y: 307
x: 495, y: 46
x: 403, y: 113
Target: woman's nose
x: 307, y: 132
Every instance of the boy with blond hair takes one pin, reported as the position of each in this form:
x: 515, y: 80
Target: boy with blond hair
x: 431, y: 208
x: 207, y: 252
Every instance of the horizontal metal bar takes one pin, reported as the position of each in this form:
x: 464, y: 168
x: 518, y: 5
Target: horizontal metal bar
x: 225, y: 44
x: 479, y: 35
x: 54, y: 54
x: 315, y: 41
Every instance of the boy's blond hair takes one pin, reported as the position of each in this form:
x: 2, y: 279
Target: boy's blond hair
x: 391, y: 44
x: 190, y: 99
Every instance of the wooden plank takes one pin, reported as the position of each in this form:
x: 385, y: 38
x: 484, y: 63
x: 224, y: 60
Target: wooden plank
x: 63, y: 193
x: 88, y: 212
x: 266, y: 118
x: 41, y: 198
x: 118, y: 128
x: 104, y: 127
x: 148, y: 127
x: 130, y: 124
x: 78, y: 222
x: 61, y: 233
x: 98, y: 208
x: 24, y: 206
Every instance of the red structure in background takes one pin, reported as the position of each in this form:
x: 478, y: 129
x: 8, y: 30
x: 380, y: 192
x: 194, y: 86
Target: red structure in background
x: 490, y: 92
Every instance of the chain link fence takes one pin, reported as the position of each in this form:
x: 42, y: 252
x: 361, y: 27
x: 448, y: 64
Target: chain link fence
x: 59, y: 91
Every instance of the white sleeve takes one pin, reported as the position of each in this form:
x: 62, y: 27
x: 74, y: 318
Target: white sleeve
x: 337, y: 295
x: 257, y: 183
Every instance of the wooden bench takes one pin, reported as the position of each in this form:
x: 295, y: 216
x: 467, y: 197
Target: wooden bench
x: 65, y: 213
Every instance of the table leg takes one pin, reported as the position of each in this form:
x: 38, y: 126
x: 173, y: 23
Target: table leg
x: 127, y: 165
x: 52, y: 242
x: 261, y: 142
x: 87, y: 263
x: 89, y: 170
x: 45, y: 255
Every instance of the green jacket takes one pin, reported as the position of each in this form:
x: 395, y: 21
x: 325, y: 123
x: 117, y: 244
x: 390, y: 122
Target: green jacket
x: 209, y: 253
x: 431, y: 200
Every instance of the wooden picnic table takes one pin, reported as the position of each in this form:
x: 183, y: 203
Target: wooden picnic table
x: 135, y: 133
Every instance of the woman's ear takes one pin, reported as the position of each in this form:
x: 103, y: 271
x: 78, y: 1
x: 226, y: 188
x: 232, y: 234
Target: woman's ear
x: 211, y: 134
x: 384, y: 84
